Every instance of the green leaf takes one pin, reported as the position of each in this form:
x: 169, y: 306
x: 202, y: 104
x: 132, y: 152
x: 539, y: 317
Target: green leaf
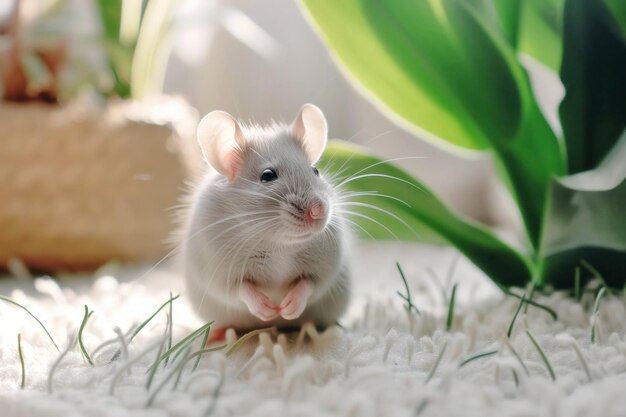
x: 541, y: 25
x: 152, y: 49
x: 505, y: 16
x: 414, y: 210
x: 119, y: 55
x: 593, y: 112
x: 443, y: 68
x: 618, y: 9
x: 586, y: 221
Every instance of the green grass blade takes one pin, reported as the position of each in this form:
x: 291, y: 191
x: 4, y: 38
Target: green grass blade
x: 542, y: 354
x: 531, y: 294
x: 214, y: 396
x: 155, y: 365
x: 198, y: 353
x: 80, y: 335
x: 19, y: 351
x: 142, y: 325
x: 15, y: 303
x: 451, y: 308
x: 183, y: 343
x: 175, y: 371
x: 203, y: 345
x: 596, y: 309
x: 519, y: 307
x: 531, y: 302
x: 243, y: 339
x: 409, y: 304
x: 169, y: 338
x: 508, y: 343
x: 436, y: 364
x: 478, y: 356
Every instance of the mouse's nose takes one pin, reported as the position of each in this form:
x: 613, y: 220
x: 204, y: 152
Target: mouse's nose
x: 315, y: 211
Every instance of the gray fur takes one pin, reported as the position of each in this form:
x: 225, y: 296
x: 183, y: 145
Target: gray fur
x: 243, y: 229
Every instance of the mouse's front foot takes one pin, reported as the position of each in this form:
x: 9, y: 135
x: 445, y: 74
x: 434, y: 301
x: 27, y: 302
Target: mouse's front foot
x: 258, y: 304
x: 294, y: 303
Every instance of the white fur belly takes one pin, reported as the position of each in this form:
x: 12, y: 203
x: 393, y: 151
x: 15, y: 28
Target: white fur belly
x: 273, y: 273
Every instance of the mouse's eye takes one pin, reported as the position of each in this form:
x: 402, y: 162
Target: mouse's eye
x: 316, y: 171
x: 269, y: 175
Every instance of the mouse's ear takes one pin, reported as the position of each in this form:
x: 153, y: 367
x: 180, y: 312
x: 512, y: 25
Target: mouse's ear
x: 222, y: 142
x: 311, y: 131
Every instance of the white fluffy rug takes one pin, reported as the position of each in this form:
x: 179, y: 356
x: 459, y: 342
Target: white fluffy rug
x: 383, y: 363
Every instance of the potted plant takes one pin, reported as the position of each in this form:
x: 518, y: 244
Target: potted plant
x: 453, y: 71
x: 90, y: 153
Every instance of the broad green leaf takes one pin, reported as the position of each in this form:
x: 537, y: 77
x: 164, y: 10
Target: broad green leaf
x: 618, y: 9
x: 540, y: 29
x: 505, y: 14
x: 593, y: 112
x: 445, y: 69
x: 152, y: 49
x: 413, y: 211
x: 509, y: 16
x: 120, y: 55
x: 586, y: 221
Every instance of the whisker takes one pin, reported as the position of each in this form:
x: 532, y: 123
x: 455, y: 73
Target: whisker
x: 373, y: 207
x: 354, y: 213
x: 372, y: 194
x: 380, y: 176
x: 387, y: 161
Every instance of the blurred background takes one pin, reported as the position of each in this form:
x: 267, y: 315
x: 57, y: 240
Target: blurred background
x: 101, y: 100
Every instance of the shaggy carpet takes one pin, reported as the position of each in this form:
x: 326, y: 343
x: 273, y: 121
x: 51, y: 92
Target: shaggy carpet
x: 384, y: 360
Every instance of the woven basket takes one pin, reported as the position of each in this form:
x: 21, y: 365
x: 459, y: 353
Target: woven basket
x: 79, y: 188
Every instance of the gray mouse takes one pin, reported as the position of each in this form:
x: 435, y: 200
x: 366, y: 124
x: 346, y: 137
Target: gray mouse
x: 264, y: 243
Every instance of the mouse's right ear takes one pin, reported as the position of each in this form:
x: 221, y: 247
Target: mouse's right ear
x: 222, y: 142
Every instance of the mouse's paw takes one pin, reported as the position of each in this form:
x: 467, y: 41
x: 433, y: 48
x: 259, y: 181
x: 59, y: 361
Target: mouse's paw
x: 258, y: 304
x: 294, y: 303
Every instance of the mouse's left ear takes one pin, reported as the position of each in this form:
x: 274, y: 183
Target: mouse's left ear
x: 311, y: 131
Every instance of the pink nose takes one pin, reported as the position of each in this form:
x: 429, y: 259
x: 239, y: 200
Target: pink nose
x: 315, y: 211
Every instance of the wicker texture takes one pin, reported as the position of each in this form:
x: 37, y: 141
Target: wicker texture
x: 80, y: 189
